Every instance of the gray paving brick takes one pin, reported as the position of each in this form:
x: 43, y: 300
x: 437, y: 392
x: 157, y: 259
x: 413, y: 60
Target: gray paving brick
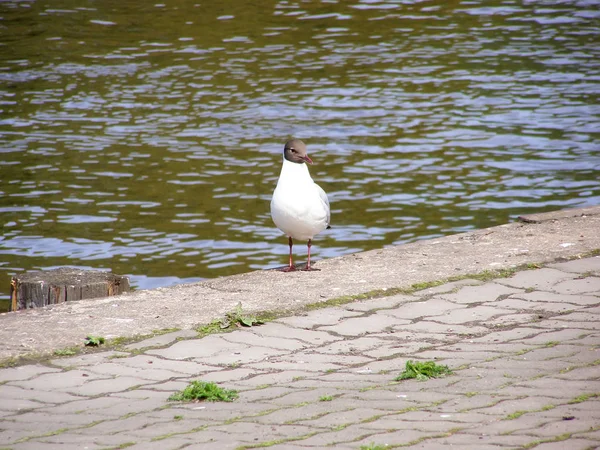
x: 277, y: 330
x: 447, y: 287
x: 162, y: 340
x: 589, y: 285
x: 553, y: 297
x: 318, y: 317
x: 375, y: 323
x: 379, y: 303
x: 68, y: 380
x: 427, y: 309
x: 24, y: 372
x: 488, y: 292
x: 516, y: 303
x: 176, y: 366
x: 253, y: 340
x: 393, y: 438
x: 542, y: 279
x: 333, y: 438
x: 580, y: 266
x: 87, y: 359
x: 199, y: 348
x: 105, y: 386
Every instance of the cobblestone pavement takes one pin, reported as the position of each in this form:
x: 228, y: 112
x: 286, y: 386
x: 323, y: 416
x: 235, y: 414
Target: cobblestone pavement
x: 525, y: 351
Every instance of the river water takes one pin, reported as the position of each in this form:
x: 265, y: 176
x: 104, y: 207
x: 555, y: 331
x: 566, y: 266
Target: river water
x: 146, y: 138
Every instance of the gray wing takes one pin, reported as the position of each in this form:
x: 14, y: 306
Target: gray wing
x: 325, y: 201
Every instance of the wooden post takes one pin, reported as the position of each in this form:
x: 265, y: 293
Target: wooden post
x: 65, y: 284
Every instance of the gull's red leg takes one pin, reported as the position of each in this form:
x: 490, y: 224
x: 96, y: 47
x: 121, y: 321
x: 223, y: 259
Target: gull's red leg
x: 291, y: 266
x: 308, y: 268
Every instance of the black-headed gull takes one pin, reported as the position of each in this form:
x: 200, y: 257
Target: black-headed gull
x: 299, y: 206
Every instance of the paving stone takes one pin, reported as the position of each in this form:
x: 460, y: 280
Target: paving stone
x: 24, y: 372
x: 553, y: 297
x: 580, y: 266
x: 465, y: 315
x: 336, y: 419
x: 510, y: 406
x: 88, y: 359
x: 99, y: 404
x: 426, y: 309
x: 120, y: 370
x: 589, y: 285
x: 315, y: 357
x: 60, y: 380
x: 13, y: 406
x: 329, y: 316
x: 399, y: 348
x: 560, y: 427
x: 199, y: 348
x: 73, y: 437
x: 520, y: 333
x: 475, y: 441
x: 488, y: 292
x: 581, y: 373
x: 354, y: 346
x: 266, y: 394
x: 401, y: 437
x: 36, y: 395
x: 301, y: 366
x: 333, y: 438
x: 177, y: 366
x: 163, y: 339
x: 574, y: 443
x: 375, y: 323
x: 230, y: 375
x: 584, y: 315
x: 243, y: 356
x: 540, y: 279
x: 276, y: 330
x: 267, y: 378
x: 173, y: 443
x: 447, y: 330
x: 561, y: 335
x: 549, y: 352
x: 300, y: 414
x: 38, y: 445
x: 586, y: 326
x: 542, y: 306
x: 104, y: 386
x: 447, y: 287
x: 253, y: 340
x: 379, y: 303
x: 258, y: 433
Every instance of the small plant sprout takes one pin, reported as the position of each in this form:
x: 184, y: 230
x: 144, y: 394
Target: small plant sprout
x: 198, y: 391
x: 239, y: 319
x: 423, y: 371
x: 94, y: 341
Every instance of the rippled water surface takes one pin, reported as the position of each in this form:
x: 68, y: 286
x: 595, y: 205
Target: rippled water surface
x: 146, y: 138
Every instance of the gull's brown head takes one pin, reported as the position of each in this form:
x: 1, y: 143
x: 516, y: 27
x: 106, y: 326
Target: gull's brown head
x: 295, y: 151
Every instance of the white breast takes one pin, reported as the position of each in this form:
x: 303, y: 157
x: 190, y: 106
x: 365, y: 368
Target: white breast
x: 299, y: 207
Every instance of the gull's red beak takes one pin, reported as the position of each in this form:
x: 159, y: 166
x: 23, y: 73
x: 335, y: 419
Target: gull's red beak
x: 307, y: 159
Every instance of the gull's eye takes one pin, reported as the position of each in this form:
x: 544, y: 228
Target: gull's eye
x: 293, y: 150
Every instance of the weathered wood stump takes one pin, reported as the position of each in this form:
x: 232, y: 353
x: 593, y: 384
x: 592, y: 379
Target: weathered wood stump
x: 65, y: 284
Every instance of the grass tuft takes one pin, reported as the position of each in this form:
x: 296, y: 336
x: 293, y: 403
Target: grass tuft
x: 198, y: 391
x: 423, y: 371
x: 94, y: 341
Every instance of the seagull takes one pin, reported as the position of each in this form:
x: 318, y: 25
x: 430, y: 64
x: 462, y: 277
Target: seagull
x: 299, y: 206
